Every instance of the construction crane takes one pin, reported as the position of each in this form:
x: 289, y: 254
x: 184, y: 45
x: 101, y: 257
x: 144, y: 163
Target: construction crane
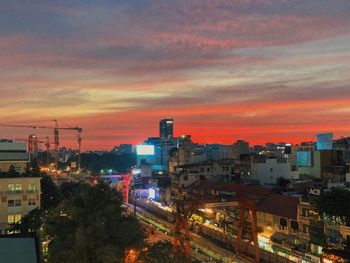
x: 247, y: 213
x: 56, y: 142
x: 33, y: 142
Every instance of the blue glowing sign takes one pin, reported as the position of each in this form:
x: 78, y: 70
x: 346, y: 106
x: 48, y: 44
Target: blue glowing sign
x: 304, y: 159
x: 324, y: 141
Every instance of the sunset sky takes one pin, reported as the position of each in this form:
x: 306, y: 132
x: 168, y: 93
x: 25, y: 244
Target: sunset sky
x: 268, y: 70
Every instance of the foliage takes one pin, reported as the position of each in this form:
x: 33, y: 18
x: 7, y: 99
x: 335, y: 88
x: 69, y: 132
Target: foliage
x: 282, y: 182
x: 161, y: 252
x: 90, y: 225
x: 336, y: 203
x: 33, y: 168
x: 50, y: 194
x: 12, y: 172
x: 95, y: 162
x: 31, y: 222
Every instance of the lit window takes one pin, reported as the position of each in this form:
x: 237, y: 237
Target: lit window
x: 11, y: 188
x: 31, y: 187
x: 18, y: 218
x: 10, y: 219
x: 18, y: 187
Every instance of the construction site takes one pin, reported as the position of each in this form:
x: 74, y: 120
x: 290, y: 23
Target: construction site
x: 46, y: 148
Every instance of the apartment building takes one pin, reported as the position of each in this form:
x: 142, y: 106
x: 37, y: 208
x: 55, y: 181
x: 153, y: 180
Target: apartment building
x: 225, y: 170
x: 19, y: 195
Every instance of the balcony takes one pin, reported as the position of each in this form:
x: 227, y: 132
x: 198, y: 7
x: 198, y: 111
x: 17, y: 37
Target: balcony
x: 304, y: 235
x: 18, y: 192
x: 304, y: 216
x: 345, y: 230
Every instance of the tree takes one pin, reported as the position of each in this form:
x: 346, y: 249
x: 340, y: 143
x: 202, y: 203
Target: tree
x: 90, y: 225
x: 282, y: 182
x: 336, y: 203
x: 119, y: 163
x: 161, y: 252
x: 31, y: 222
x: 33, y: 168
x: 12, y: 172
x: 50, y: 193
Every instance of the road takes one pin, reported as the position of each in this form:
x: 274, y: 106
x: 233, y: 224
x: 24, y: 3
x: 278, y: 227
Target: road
x: 202, y: 249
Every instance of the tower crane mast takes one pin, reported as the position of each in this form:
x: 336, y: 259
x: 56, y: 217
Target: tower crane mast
x: 55, y: 129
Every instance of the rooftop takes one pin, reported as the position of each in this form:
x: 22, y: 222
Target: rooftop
x: 240, y: 190
x: 268, y: 201
x: 18, y: 250
x: 281, y: 205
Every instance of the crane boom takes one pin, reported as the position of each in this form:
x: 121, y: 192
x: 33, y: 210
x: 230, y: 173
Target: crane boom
x: 56, y: 129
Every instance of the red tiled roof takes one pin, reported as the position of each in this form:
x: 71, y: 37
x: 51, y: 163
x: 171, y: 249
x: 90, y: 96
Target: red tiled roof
x: 268, y: 201
x: 281, y: 205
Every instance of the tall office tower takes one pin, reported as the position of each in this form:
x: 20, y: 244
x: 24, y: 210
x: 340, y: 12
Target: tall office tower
x: 166, y: 128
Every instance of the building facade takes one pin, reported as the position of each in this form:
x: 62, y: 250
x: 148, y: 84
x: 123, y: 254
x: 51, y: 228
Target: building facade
x: 13, y: 154
x: 19, y: 195
x: 166, y: 129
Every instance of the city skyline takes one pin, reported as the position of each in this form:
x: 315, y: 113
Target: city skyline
x: 224, y: 70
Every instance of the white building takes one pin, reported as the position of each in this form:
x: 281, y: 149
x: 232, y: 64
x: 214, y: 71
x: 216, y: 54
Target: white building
x: 268, y: 170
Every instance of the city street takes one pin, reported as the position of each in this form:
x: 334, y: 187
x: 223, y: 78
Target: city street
x: 202, y: 249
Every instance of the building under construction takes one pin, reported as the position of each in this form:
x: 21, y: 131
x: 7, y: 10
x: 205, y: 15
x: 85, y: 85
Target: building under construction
x: 33, y: 141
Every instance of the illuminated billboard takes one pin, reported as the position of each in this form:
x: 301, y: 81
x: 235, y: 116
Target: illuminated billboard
x: 304, y: 159
x: 324, y: 141
x: 152, y: 193
x: 144, y: 149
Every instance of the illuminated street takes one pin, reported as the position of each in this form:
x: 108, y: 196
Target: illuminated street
x: 202, y: 249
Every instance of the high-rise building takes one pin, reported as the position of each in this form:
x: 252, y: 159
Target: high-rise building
x: 166, y: 128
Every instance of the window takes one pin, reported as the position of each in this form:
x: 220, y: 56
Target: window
x: 305, y: 212
x: 208, y: 169
x: 10, y: 219
x: 14, y: 203
x: 31, y: 187
x: 185, y: 177
x: 305, y: 228
x: 283, y: 223
x: 13, y: 218
x: 294, y: 226
x: 11, y: 188
x: 18, y: 218
x: 31, y: 201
